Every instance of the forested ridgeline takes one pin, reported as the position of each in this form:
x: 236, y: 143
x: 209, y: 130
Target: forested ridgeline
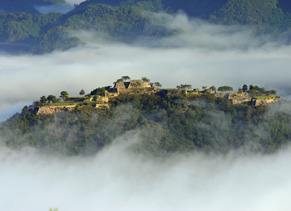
x: 128, y: 20
x: 159, y: 124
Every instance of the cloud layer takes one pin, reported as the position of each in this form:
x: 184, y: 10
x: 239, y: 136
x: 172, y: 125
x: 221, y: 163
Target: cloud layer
x: 118, y: 179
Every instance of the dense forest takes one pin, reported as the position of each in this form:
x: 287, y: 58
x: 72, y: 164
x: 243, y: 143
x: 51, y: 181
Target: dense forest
x: 27, y: 31
x: 161, y: 124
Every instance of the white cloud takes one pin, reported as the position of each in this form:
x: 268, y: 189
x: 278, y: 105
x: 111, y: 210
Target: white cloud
x: 59, y: 8
x: 117, y: 179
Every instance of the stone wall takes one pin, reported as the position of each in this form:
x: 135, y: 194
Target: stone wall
x: 258, y: 102
x: 138, y: 91
x: 138, y: 84
x: 99, y: 99
x: 54, y: 109
x: 132, y: 84
x: 102, y: 106
x: 119, y: 85
x: 239, y: 101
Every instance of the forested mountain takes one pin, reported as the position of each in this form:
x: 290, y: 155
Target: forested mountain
x: 127, y: 20
x: 263, y: 14
x: 165, y: 124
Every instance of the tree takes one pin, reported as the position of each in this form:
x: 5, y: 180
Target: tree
x: 119, y: 80
x: 271, y: 92
x: 245, y: 88
x: 184, y: 86
x: 213, y: 88
x: 82, y: 92
x: 204, y: 87
x: 43, y: 100
x: 36, y: 104
x: 125, y: 78
x: 52, y: 99
x: 157, y: 84
x: 145, y: 79
x: 95, y: 98
x: 225, y: 89
x: 64, y: 95
x: 98, y: 91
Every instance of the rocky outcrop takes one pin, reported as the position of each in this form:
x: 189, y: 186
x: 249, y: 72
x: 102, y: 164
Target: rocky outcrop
x: 54, y: 109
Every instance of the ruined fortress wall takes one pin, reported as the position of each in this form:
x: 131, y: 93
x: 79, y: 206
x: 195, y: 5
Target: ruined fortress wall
x: 221, y: 95
x: 54, y: 109
x: 138, y: 91
x: 139, y: 84
x: 119, y: 85
x: 259, y: 102
x: 100, y: 99
x: 239, y: 101
x: 102, y: 106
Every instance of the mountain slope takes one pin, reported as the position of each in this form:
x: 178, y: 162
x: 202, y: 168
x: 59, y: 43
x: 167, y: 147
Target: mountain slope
x: 127, y: 20
x: 263, y: 14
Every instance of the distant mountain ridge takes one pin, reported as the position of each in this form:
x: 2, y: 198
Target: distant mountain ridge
x: 122, y: 20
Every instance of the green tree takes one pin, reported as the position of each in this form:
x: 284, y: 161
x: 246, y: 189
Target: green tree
x: 145, y: 79
x: 225, y: 89
x: 157, y: 84
x: 52, y: 99
x: 184, y: 86
x: 213, y: 88
x: 125, y: 78
x: 245, y: 88
x: 43, y: 100
x: 64, y: 95
x: 82, y: 92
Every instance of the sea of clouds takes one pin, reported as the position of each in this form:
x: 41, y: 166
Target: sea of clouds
x: 119, y: 179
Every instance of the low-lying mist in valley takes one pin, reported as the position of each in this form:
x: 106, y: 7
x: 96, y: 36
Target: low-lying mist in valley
x: 119, y: 179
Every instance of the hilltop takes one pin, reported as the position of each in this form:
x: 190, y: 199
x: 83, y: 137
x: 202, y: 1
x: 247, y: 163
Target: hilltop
x: 166, y: 120
x: 105, y: 96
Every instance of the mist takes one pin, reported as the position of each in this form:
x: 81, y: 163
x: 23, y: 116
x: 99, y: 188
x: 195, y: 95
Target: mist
x: 59, y: 8
x: 118, y: 178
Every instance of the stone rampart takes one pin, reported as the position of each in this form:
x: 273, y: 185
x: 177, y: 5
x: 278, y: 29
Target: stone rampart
x: 258, y: 102
x: 54, y: 109
x: 102, y: 106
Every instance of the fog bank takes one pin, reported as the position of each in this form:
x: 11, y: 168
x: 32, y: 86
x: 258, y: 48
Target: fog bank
x: 119, y: 179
